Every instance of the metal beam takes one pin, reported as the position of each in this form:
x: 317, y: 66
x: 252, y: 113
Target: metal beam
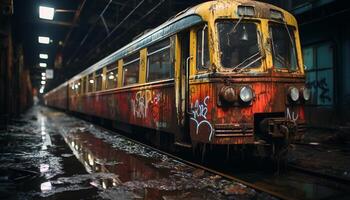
x: 75, y: 20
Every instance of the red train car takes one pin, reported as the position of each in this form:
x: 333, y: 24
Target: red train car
x: 222, y: 72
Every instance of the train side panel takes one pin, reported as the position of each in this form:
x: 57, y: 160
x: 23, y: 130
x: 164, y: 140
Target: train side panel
x: 150, y: 107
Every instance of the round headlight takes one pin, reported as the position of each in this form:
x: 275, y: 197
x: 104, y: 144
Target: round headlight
x: 228, y: 94
x: 306, y: 93
x: 294, y: 93
x: 246, y: 94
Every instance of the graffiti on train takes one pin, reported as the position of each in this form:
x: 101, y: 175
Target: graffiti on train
x: 291, y: 115
x: 147, y: 105
x: 199, y: 112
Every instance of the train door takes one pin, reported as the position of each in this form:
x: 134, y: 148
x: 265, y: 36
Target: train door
x: 182, y: 59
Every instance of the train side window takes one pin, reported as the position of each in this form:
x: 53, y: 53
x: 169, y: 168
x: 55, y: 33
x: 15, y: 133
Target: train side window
x: 91, y: 82
x: 98, y: 79
x: 72, y: 88
x: 75, y: 88
x: 78, y: 87
x: 202, y: 56
x: 112, y: 76
x: 131, y: 69
x: 158, y: 61
x: 83, y: 85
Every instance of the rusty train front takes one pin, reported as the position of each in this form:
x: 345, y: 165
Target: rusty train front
x: 251, y: 87
x: 226, y: 72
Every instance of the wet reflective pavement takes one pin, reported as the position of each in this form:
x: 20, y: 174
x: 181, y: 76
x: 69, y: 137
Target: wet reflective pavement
x: 50, y: 155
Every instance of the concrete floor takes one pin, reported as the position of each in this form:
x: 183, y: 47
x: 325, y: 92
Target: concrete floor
x: 49, y: 155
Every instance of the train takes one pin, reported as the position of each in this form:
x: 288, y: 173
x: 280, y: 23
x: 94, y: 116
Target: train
x: 225, y: 73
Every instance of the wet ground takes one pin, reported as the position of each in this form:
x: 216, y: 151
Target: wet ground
x: 49, y: 155
x: 324, y: 150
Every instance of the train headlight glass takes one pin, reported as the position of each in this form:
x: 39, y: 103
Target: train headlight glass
x: 246, y: 94
x: 306, y: 94
x: 294, y: 93
x: 228, y: 94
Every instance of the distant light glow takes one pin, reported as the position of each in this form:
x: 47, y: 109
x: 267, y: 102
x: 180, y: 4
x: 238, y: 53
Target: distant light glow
x: 46, y: 186
x: 43, y: 78
x: 91, y: 81
x: 46, y: 12
x: 43, y: 82
x: 43, y: 56
x: 42, y: 64
x: 43, y: 40
x: 43, y: 74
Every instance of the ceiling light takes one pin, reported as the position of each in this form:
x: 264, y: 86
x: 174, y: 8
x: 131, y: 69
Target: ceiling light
x: 43, y: 56
x: 43, y: 78
x: 42, y: 64
x: 43, y: 40
x: 43, y: 74
x: 43, y: 82
x: 46, y: 12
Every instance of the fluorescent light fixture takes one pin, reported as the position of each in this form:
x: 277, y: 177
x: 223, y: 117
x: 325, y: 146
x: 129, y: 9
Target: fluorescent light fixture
x: 43, y: 82
x: 46, y: 12
x: 43, y: 40
x: 42, y: 64
x: 43, y: 56
x: 43, y: 74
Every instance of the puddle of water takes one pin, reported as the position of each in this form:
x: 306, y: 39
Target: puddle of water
x: 116, y: 168
x: 134, y: 171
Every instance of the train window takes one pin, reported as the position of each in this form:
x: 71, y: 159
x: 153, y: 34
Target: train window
x: 131, y: 69
x: 83, y: 85
x: 91, y: 82
x: 75, y: 87
x: 98, y: 79
x: 71, y: 86
x: 112, y: 76
x: 202, y: 48
x: 239, y: 45
x: 78, y: 87
x: 158, y: 62
x: 283, y: 46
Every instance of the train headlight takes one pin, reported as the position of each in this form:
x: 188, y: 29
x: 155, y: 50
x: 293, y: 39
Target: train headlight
x: 246, y: 94
x: 293, y: 93
x: 228, y: 94
x: 306, y: 93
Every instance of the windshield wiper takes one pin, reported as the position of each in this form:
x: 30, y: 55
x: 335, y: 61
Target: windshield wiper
x: 290, y: 36
x: 250, y: 57
x: 233, y: 30
x: 236, y: 25
x: 251, y: 63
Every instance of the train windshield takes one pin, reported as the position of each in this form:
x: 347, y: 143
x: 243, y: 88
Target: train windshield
x: 283, y: 47
x: 239, y: 46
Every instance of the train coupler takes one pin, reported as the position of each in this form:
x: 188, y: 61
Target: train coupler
x: 280, y: 128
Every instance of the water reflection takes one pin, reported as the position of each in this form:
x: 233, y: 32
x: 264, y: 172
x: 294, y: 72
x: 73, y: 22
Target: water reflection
x: 114, y: 171
x: 97, y: 156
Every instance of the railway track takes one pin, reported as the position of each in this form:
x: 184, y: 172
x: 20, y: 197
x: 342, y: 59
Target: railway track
x: 319, y: 174
x: 270, y: 187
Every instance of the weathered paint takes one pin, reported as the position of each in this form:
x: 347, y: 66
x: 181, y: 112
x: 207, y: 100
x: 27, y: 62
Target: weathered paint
x: 162, y: 105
